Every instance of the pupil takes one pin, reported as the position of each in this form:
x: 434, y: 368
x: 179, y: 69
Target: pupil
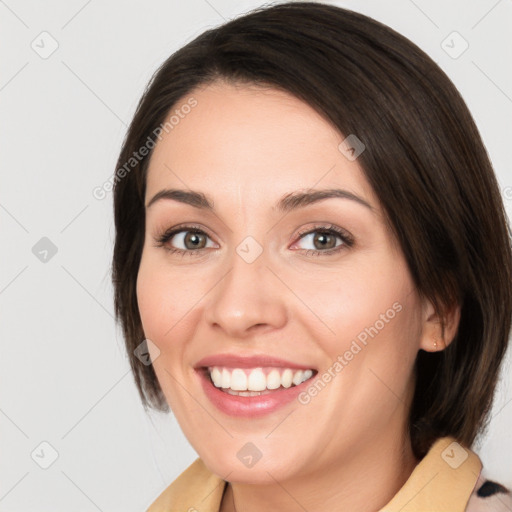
x: 194, y: 238
x: 322, y: 239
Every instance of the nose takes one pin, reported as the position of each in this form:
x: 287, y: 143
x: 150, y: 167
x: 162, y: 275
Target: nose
x: 249, y: 299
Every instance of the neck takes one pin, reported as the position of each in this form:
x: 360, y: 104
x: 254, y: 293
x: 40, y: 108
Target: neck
x: 366, y: 482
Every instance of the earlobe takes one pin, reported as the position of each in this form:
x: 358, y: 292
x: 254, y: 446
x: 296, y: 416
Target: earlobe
x: 438, y: 332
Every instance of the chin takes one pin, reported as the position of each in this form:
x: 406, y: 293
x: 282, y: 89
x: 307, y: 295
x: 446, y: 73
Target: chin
x: 236, y: 466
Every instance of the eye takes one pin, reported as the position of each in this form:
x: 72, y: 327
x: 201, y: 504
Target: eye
x: 323, y: 240
x: 184, y: 240
x: 191, y: 240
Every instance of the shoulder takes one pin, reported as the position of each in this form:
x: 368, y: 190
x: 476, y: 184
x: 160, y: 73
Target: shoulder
x: 196, y: 489
x: 489, y: 496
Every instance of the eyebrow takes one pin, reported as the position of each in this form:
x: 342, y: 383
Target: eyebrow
x: 287, y: 203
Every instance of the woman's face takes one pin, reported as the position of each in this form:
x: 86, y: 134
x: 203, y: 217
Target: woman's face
x: 252, y: 301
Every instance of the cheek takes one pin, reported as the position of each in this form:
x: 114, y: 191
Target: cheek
x: 151, y: 302
x: 385, y: 344
x: 168, y: 304
x: 162, y: 304
x: 371, y: 360
x: 372, y: 324
x: 353, y: 303
x: 157, y: 301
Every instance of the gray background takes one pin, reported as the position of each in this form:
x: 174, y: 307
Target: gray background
x: 64, y: 375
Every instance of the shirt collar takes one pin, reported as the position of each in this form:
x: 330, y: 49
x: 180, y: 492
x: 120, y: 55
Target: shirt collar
x: 441, y: 482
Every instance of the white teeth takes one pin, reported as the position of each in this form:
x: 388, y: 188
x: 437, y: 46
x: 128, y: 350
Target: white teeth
x: 298, y: 377
x: 226, y: 378
x: 273, y: 379
x: 256, y: 381
x: 238, y: 380
x: 286, y: 378
x: 246, y: 393
x: 216, y: 377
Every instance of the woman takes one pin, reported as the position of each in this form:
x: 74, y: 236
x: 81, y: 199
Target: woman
x: 311, y: 245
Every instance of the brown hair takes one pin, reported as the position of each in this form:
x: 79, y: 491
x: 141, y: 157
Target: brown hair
x: 424, y: 159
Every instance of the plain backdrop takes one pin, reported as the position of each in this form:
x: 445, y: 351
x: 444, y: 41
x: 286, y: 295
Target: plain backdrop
x: 71, y: 75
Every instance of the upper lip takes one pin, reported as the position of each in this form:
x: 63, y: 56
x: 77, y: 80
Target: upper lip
x: 252, y: 361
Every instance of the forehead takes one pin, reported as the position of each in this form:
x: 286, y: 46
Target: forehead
x: 251, y: 142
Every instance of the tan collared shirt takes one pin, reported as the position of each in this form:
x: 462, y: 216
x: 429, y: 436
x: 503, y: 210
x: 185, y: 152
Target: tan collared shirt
x: 442, y: 482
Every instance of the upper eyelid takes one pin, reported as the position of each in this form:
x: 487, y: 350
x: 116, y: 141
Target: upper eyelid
x: 187, y: 227
x: 332, y: 227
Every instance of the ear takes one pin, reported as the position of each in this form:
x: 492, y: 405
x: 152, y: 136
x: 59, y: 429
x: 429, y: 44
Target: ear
x: 438, y: 332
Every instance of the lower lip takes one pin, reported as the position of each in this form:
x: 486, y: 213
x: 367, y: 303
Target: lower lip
x: 249, y: 406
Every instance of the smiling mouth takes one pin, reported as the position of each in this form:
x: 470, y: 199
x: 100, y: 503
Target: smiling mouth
x: 255, y: 381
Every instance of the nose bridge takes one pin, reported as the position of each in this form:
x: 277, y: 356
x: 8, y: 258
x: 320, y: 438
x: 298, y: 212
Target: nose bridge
x: 248, y: 295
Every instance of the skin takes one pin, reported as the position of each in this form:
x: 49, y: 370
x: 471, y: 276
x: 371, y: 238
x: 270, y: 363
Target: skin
x: 247, y: 147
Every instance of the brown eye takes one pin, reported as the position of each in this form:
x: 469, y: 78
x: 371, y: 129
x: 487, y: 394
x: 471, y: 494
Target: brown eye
x: 193, y: 240
x: 319, y: 240
x: 185, y: 241
x: 324, y: 241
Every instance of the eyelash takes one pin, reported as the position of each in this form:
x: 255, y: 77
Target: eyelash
x: 346, y: 238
